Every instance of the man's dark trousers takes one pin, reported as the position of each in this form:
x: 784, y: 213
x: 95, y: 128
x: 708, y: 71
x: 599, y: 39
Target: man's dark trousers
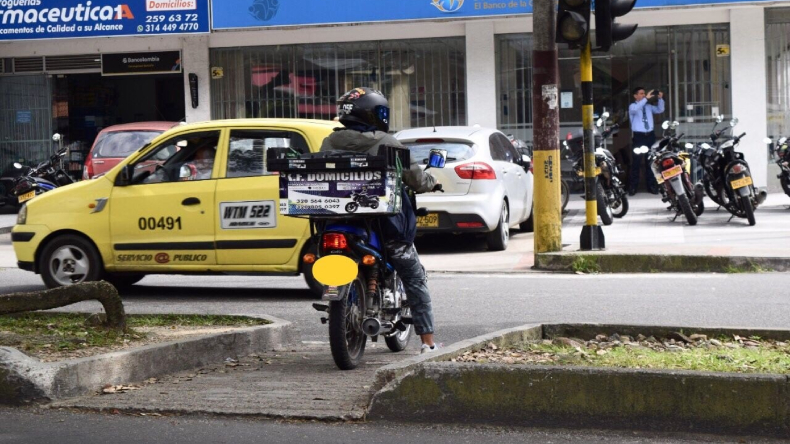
x: 642, y: 139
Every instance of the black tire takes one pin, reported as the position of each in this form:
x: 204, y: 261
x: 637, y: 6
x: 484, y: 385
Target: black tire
x: 785, y: 181
x: 316, y: 288
x: 351, y: 207
x: 746, y: 202
x: 69, y: 259
x: 374, y: 204
x: 123, y: 280
x: 346, y: 339
x: 712, y: 194
x: 398, y: 341
x: 685, y: 206
x: 699, y: 208
x: 528, y: 226
x: 622, y: 209
x: 604, y: 210
x: 497, y: 239
x: 566, y: 194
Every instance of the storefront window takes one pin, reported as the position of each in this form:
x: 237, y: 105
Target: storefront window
x: 777, y: 42
x: 25, y: 119
x: 683, y: 62
x: 424, y: 80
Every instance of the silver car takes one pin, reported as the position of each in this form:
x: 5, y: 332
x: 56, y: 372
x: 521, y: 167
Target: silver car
x: 487, y: 183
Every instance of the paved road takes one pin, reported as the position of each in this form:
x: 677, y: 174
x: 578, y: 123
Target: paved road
x: 65, y: 427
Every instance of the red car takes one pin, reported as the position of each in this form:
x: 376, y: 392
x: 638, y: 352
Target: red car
x: 117, y: 142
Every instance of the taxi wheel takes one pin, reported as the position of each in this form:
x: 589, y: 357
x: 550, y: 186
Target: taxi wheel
x: 69, y: 259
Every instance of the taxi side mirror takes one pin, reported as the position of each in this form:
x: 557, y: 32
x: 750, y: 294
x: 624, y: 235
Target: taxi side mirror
x: 125, y: 178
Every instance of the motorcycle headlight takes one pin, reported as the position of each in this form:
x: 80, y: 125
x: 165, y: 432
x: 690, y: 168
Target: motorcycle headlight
x: 21, y: 217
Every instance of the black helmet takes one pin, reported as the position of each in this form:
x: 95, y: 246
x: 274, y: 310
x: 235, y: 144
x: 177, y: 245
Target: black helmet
x: 365, y: 106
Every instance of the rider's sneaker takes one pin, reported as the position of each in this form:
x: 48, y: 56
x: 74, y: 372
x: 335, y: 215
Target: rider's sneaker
x: 428, y: 349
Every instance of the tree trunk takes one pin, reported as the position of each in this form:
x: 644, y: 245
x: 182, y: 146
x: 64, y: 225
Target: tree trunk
x: 62, y: 296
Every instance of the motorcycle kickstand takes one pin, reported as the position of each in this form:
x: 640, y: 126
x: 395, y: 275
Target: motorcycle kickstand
x: 676, y: 216
x: 728, y: 220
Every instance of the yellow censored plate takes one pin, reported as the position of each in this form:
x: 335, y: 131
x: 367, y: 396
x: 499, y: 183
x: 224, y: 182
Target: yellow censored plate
x: 335, y: 270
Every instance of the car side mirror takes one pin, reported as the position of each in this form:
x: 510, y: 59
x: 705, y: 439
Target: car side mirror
x: 734, y: 121
x: 720, y: 118
x: 125, y: 177
x: 437, y: 158
x: 526, y: 162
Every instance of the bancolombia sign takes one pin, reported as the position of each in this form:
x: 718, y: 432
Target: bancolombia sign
x: 46, y: 19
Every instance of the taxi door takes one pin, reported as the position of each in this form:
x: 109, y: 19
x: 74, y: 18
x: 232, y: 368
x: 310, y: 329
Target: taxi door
x: 165, y: 217
x: 250, y: 229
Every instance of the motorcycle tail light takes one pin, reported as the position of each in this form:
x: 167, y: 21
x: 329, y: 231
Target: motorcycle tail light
x: 308, y: 258
x: 737, y: 168
x: 334, y: 241
x: 668, y: 163
x: 368, y: 259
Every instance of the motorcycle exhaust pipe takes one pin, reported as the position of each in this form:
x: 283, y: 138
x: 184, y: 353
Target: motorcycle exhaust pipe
x: 374, y: 327
x: 761, y: 195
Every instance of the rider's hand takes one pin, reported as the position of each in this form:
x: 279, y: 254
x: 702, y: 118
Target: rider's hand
x: 437, y: 187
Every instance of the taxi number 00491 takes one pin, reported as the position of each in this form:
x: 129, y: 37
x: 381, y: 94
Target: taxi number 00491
x: 163, y: 223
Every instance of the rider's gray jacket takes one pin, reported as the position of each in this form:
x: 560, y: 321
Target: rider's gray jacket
x: 369, y: 142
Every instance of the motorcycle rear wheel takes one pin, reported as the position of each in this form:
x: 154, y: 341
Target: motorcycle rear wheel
x: 685, y: 205
x: 713, y: 195
x: 346, y: 339
x: 785, y: 181
x: 604, y: 210
x: 746, y: 202
x: 398, y: 341
x: 566, y: 194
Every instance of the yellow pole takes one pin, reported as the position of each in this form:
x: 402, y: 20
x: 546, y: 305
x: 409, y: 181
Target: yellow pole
x: 592, y: 237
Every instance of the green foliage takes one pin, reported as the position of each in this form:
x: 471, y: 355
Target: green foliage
x: 585, y: 264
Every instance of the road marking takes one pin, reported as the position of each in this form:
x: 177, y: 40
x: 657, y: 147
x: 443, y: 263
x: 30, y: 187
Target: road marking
x: 532, y: 275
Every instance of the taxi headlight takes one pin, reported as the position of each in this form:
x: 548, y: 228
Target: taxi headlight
x: 21, y: 217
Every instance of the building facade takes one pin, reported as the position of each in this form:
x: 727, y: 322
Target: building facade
x: 448, y: 62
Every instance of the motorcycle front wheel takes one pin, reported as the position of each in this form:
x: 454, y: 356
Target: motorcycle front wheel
x: 785, y: 181
x: 351, y: 207
x: 622, y: 208
x: 604, y: 210
x: 346, y: 339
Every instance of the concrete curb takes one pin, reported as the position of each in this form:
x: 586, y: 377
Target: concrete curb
x: 648, y: 263
x: 568, y: 396
x: 24, y: 379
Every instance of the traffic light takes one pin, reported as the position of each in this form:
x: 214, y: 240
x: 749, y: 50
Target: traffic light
x: 607, y: 32
x: 573, y: 23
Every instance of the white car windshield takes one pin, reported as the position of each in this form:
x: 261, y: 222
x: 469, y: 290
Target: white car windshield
x: 122, y: 143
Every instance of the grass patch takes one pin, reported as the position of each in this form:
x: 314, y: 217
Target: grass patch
x: 32, y: 332
x: 583, y: 264
x: 731, y: 360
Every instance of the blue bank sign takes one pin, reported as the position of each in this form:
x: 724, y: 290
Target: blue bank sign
x: 46, y: 19
x: 228, y: 14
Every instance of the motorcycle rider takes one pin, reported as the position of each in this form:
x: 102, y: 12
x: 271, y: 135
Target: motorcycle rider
x: 364, y: 113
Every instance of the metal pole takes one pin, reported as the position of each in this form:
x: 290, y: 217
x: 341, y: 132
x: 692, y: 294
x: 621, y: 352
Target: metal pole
x: 546, y: 129
x: 592, y: 235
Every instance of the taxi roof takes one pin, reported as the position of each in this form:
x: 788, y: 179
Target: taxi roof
x: 294, y: 122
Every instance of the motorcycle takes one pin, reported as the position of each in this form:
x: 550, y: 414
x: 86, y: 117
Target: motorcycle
x: 729, y: 177
x: 363, y: 296
x: 361, y: 199
x: 47, y: 176
x: 7, y: 182
x: 610, y: 192
x: 671, y: 167
x: 706, y: 155
x: 782, y: 156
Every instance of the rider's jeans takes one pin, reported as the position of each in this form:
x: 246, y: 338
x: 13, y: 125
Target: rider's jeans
x: 403, y: 256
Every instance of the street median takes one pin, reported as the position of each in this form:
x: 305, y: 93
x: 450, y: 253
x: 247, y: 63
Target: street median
x: 603, y: 262
x: 436, y: 389
x: 24, y: 379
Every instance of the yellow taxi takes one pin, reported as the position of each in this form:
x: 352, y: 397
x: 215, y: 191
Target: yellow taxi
x: 197, y: 199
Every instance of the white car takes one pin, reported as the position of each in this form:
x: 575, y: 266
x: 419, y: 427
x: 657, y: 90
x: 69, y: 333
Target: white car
x: 487, y: 183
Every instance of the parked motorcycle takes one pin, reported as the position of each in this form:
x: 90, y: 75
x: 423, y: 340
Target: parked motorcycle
x: 782, y: 156
x: 610, y: 192
x: 365, y: 296
x: 362, y: 199
x: 8, y: 180
x: 671, y: 166
x: 728, y: 176
x: 706, y: 154
x: 47, y: 176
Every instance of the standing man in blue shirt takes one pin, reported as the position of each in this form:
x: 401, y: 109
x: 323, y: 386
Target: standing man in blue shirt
x: 641, y: 116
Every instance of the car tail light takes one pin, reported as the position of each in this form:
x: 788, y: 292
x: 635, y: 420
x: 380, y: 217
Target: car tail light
x: 87, y: 172
x: 737, y: 168
x: 335, y: 241
x: 668, y: 163
x: 569, y: 136
x: 475, y: 170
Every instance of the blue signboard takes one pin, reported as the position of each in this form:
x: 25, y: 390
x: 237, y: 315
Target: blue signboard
x: 47, y: 19
x: 228, y: 14
x: 24, y: 116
